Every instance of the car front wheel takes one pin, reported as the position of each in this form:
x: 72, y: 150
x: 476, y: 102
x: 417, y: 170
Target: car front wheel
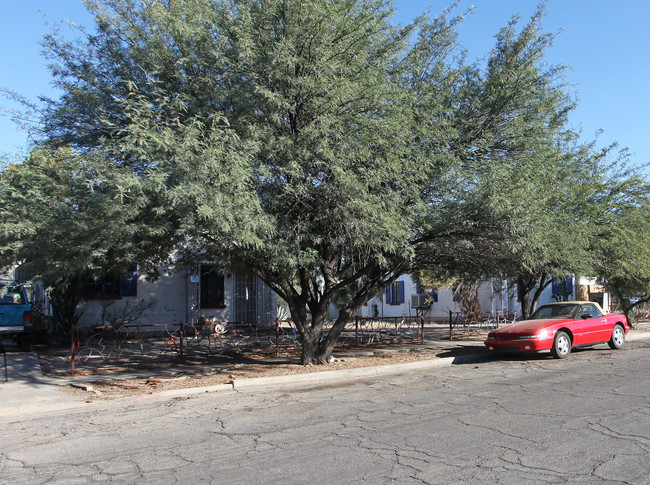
x: 561, y: 345
x: 618, y: 338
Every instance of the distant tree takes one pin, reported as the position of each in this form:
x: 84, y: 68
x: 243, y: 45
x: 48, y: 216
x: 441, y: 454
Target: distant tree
x: 69, y: 218
x: 622, y: 237
x: 525, y: 173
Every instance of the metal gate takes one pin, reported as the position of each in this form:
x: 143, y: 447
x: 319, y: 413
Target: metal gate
x: 245, y: 297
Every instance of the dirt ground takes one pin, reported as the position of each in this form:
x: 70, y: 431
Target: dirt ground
x: 120, y: 379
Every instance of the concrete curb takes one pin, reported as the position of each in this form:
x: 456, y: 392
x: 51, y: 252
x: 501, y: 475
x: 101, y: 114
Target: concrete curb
x: 188, y: 391
x: 294, y: 381
x: 637, y: 335
x: 323, y: 377
x: 312, y: 379
x: 319, y: 378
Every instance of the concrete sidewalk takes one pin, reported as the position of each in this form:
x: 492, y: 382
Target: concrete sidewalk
x: 25, y: 390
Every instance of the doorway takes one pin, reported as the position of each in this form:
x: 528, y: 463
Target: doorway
x: 245, y: 297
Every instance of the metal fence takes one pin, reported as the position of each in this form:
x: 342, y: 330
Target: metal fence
x: 388, y: 329
x: 131, y: 343
x: 93, y: 345
x: 462, y: 325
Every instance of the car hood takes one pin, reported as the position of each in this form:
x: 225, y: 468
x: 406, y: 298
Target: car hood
x: 529, y: 326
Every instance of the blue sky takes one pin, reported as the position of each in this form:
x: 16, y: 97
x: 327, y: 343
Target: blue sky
x: 606, y: 43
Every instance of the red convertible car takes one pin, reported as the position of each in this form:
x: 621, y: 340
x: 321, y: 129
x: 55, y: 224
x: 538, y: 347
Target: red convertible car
x: 559, y: 327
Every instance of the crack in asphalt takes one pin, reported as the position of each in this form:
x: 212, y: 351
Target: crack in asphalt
x: 641, y: 441
x: 509, y: 422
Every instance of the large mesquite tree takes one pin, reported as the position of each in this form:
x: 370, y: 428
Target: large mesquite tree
x: 306, y: 138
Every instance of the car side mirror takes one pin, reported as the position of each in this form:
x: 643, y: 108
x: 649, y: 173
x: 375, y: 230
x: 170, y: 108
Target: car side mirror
x: 586, y: 315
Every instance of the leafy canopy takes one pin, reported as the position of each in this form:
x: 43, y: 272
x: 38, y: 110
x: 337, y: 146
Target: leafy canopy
x: 322, y: 147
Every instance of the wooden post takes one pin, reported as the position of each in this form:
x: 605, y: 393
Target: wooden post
x: 181, y: 335
x: 137, y: 327
x: 356, y: 329
x: 451, y: 321
x: 73, y: 330
x: 277, y: 337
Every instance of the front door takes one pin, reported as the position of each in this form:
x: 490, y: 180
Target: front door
x: 245, y: 297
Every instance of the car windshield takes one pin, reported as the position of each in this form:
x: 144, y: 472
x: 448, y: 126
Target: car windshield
x: 555, y: 311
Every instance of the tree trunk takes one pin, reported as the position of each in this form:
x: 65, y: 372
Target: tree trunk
x: 542, y: 285
x: 327, y: 344
x: 65, y: 298
x: 525, y: 287
x: 628, y: 308
x: 524, y: 297
x: 310, y: 311
x: 582, y: 292
x: 309, y: 355
x: 317, y: 347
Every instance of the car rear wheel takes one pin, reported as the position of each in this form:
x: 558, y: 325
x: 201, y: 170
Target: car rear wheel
x: 561, y: 345
x: 618, y: 338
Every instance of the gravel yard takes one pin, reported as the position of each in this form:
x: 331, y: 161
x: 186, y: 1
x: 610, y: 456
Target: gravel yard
x: 121, y: 379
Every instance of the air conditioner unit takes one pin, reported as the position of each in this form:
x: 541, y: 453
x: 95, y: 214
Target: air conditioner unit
x: 420, y: 301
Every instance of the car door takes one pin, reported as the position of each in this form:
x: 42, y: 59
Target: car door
x: 593, y: 328
x: 605, y: 325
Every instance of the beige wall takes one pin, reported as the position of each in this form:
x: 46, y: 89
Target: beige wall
x: 166, y: 298
x: 174, y: 298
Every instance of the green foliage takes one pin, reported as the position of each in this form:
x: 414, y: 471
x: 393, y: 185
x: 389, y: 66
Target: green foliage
x: 150, y: 88
x: 316, y: 144
x: 69, y: 217
x: 621, y: 241
x: 295, y: 139
x: 529, y: 195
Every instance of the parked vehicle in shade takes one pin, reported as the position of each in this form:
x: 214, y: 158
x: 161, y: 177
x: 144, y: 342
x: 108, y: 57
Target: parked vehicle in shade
x: 15, y: 312
x: 559, y: 327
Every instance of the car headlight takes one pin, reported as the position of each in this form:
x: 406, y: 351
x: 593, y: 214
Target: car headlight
x: 540, y: 335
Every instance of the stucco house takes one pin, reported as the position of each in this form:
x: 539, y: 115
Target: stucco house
x: 406, y: 298
x: 179, y: 295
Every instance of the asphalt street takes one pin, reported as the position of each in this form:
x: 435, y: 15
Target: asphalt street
x: 518, y: 420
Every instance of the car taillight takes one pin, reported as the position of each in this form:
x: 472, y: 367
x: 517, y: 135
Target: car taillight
x: 27, y: 317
